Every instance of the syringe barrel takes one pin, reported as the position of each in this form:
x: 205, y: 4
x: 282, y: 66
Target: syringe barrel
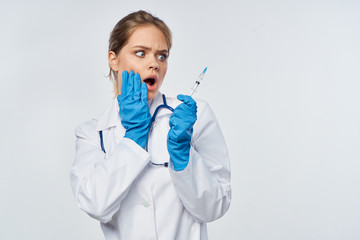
x: 193, y: 89
x: 196, y: 84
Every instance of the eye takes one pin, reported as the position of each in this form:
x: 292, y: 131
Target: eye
x: 140, y: 53
x: 162, y: 57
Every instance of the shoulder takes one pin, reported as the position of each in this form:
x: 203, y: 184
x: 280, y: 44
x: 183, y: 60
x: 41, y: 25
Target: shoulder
x: 204, y: 108
x: 205, y: 114
x: 87, y: 126
x: 108, y: 119
x: 87, y: 129
x: 87, y: 132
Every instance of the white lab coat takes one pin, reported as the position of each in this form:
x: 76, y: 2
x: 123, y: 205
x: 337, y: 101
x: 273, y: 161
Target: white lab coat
x: 134, y: 199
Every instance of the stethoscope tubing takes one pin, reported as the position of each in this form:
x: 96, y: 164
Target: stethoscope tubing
x: 153, y: 118
x: 164, y: 105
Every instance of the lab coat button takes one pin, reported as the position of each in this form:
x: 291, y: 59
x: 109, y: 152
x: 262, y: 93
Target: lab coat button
x: 146, y: 203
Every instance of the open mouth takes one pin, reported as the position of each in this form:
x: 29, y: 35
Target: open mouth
x: 150, y: 81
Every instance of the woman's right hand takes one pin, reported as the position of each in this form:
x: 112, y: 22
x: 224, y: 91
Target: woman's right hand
x: 133, y: 108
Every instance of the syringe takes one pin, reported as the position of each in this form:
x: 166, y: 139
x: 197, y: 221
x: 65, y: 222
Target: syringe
x: 197, y: 83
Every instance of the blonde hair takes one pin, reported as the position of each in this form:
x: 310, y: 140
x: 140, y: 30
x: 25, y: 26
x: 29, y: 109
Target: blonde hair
x: 126, y: 26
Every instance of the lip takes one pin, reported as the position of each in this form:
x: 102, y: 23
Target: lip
x: 154, y: 86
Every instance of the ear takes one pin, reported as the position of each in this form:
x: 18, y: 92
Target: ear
x: 113, y: 61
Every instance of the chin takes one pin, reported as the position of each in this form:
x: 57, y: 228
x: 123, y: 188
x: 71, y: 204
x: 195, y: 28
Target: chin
x: 150, y: 96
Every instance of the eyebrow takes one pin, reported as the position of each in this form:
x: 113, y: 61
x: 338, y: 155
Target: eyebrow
x: 147, y: 48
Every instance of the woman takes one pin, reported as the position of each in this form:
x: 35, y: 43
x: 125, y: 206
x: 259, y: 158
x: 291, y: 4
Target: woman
x: 144, y: 178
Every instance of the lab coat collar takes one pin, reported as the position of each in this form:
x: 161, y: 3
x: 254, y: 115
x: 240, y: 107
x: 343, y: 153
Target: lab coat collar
x: 155, y: 102
x: 110, y: 117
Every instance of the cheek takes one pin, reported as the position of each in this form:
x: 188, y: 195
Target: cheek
x: 164, y: 69
x: 126, y: 62
x: 130, y: 66
x: 122, y: 66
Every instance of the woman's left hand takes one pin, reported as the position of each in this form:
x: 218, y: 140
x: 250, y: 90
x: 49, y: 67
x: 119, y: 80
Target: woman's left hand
x: 181, y: 129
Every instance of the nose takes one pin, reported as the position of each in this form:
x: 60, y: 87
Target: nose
x: 154, y: 64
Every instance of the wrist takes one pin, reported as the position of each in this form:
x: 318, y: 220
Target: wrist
x: 179, y: 155
x: 177, y: 166
x: 138, y: 135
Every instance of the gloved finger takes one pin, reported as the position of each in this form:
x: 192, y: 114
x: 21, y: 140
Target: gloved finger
x: 178, y: 134
x: 124, y: 82
x: 176, y: 118
x: 137, y: 82
x: 144, y: 93
x: 189, y: 101
x: 172, y: 120
x: 178, y: 123
x: 185, y: 112
x: 130, y: 87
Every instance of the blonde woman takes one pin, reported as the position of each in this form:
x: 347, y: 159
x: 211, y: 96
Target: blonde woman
x: 151, y: 167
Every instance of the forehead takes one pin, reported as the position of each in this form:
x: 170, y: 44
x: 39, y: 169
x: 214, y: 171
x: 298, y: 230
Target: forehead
x: 148, y: 36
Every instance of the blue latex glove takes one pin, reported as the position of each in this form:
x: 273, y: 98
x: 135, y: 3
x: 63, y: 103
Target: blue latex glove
x: 181, y: 129
x: 133, y: 108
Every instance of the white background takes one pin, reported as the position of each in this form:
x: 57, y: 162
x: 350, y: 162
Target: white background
x: 283, y: 80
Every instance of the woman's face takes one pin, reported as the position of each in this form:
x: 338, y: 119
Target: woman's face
x: 145, y: 53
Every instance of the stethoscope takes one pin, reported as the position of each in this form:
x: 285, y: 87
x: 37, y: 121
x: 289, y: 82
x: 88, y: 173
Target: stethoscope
x: 166, y: 106
x: 153, y: 118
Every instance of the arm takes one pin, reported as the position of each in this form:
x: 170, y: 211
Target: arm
x: 204, y: 185
x: 100, y: 184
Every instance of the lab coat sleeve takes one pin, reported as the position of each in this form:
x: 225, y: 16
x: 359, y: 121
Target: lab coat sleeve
x: 100, y: 183
x: 204, y: 185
